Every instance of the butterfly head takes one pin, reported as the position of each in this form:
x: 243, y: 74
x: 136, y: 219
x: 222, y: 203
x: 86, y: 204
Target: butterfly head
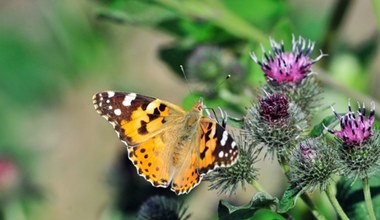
x: 199, y: 106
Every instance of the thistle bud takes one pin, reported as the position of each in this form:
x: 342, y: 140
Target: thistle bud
x: 205, y: 64
x: 227, y: 180
x: 160, y: 207
x: 312, y: 164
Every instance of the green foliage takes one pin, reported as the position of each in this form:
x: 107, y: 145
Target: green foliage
x: 318, y: 129
x: 226, y: 211
x: 289, y: 198
x: 350, y: 194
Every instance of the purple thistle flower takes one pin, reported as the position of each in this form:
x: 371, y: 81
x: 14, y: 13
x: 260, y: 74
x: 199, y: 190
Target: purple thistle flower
x: 355, y: 128
x: 288, y: 67
x: 274, y: 107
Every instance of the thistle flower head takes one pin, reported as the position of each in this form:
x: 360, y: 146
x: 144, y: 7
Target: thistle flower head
x: 312, y: 165
x: 274, y: 108
x: 205, y: 64
x: 281, y: 67
x: 358, y: 143
x: 160, y: 207
x: 355, y: 128
x: 275, y: 123
x: 227, y: 180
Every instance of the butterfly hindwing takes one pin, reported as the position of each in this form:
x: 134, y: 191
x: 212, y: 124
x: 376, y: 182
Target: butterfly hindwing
x: 151, y: 161
x: 217, y: 147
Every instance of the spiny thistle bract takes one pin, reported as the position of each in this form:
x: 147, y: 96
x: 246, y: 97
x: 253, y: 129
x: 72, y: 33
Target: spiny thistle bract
x: 290, y: 72
x: 275, y: 123
x: 359, y: 143
x: 227, y: 180
x: 162, y: 208
x: 313, y: 164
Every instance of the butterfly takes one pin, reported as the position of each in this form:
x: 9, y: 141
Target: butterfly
x: 167, y: 144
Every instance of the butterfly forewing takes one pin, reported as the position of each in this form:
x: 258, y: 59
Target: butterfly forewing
x: 136, y: 118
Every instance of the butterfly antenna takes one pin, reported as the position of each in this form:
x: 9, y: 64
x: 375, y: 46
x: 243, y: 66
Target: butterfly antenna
x: 225, y: 79
x: 185, y: 77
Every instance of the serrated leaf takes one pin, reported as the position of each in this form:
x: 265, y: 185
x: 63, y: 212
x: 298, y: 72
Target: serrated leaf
x: 351, y: 195
x: 319, y: 128
x: 289, y: 199
x: 261, y: 200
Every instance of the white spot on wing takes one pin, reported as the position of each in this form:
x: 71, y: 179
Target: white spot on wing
x: 151, y: 106
x: 117, y: 112
x: 110, y: 94
x: 224, y: 138
x: 221, y: 154
x: 233, y: 144
x: 128, y: 99
x: 110, y: 107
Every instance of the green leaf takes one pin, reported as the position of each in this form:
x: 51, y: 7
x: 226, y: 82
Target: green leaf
x: 266, y: 214
x: 260, y: 13
x: 289, y: 199
x: 319, y: 128
x: 136, y: 12
x: 261, y: 200
x: 351, y: 195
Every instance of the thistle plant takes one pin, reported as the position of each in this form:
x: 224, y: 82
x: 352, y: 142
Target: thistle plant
x: 276, y: 124
x: 313, y: 165
x: 290, y: 72
x: 358, y: 142
x: 205, y: 64
x: 359, y: 148
x: 160, y: 207
x: 227, y: 180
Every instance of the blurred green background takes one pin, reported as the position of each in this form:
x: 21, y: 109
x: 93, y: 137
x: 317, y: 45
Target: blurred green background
x: 58, y: 157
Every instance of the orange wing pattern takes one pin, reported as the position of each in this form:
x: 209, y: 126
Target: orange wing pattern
x: 217, y: 148
x: 151, y: 161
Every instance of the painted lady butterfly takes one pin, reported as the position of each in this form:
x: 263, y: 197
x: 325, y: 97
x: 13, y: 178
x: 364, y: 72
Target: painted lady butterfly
x: 165, y: 143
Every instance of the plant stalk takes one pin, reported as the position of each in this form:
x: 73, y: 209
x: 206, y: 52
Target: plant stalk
x: 334, y: 202
x: 258, y: 186
x: 307, y: 200
x: 368, y: 199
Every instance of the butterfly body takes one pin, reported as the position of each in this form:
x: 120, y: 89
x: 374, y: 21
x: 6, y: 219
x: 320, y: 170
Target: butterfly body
x: 166, y: 143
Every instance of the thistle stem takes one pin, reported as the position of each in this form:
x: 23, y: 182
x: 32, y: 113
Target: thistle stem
x: 305, y: 197
x: 307, y: 200
x: 368, y: 199
x: 258, y: 186
x: 334, y: 202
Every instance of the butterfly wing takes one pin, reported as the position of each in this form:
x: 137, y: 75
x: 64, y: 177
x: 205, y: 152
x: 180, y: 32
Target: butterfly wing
x: 186, y: 176
x: 135, y: 118
x: 217, y: 148
x: 145, y: 125
x: 212, y: 147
